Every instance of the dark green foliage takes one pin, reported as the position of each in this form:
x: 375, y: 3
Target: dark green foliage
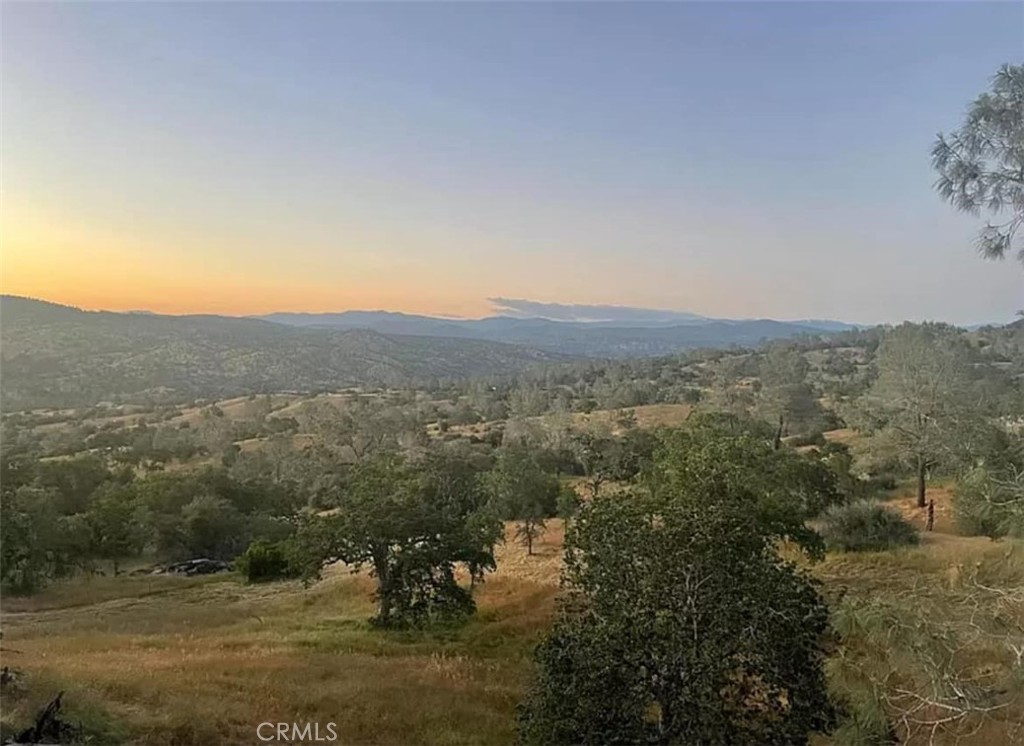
x: 265, y: 561
x: 784, y: 398
x: 664, y: 636
x: 778, y: 490
x: 604, y: 458
x: 36, y: 542
x: 523, y: 492
x: 211, y: 527
x: 729, y: 424
x: 230, y: 455
x: 412, y: 527
x: 115, y: 527
x: 884, y: 482
x: 62, y: 516
x: 73, y: 480
x: 568, y: 502
x: 866, y: 526
x: 208, y: 514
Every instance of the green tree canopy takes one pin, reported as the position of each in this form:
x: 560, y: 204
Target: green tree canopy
x: 981, y: 165
x: 784, y: 397
x: 920, y: 407
x: 36, y: 542
x: 681, y: 626
x: 115, y: 529
x: 776, y: 490
x: 412, y: 527
x: 523, y: 492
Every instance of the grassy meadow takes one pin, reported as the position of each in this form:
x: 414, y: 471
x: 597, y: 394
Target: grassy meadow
x: 162, y: 661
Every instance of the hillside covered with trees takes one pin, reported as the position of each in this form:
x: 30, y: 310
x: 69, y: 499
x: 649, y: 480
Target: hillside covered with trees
x: 653, y: 488
x: 56, y: 356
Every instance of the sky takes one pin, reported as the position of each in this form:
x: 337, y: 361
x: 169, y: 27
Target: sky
x: 728, y: 159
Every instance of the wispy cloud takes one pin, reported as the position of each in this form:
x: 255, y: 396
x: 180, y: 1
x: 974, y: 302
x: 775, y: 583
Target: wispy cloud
x: 524, y: 308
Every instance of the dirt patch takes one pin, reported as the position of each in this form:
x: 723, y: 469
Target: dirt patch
x: 905, y: 501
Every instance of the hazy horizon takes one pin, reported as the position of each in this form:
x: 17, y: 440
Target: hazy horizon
x: 731, y: 160
x: 573, y: 312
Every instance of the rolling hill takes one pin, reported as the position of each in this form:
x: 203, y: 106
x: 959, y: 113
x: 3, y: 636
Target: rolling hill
x: 57, y: 356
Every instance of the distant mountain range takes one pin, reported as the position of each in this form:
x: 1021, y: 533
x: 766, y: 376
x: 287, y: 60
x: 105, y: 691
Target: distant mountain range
x: 631, y: 316
x: 57, y: 356
x: 613, y: 331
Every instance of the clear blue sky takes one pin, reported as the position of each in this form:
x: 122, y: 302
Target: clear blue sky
x: 751, y: 159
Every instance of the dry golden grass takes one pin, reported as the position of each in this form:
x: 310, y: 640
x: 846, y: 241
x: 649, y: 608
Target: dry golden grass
x: 961, y: 598
x: 160, y: 660
x: 905, y: 501
x: 235, y: 408
x: 844, y: 435
x: 125, y: 416
x: 157, y: 661
x: 299, y: 441
x: 647, y: 416
x: 544, y: 567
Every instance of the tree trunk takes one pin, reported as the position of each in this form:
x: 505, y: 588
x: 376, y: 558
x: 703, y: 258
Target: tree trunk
x: 381, y: 570
x: 777, y: 442
x: 529, y: 540
x: 921, y: 483
x: 384, y: 613
x: 48, y: 725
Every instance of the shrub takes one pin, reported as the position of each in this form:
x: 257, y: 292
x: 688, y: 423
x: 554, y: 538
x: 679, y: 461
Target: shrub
x: 885, y: 482
x: 833, y: 421
x: 866, y: 526
x: 265, y: 561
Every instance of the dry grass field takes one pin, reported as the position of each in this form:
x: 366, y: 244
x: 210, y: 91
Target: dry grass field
x: 181, y: 661
x: 161, y: 661
x: 647, y: 416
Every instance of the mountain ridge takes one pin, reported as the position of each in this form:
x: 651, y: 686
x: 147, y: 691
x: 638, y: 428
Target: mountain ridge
x: 60, y: 356
x: 606, y: 338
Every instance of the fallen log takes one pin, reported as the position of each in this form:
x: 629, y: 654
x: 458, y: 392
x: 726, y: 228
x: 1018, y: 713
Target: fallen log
x: 49, y: 729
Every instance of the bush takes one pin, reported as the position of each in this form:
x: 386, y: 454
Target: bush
x: 833, y: 421
x: 866, y: 526
x: 885, y: 482
x: 264, y: 561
